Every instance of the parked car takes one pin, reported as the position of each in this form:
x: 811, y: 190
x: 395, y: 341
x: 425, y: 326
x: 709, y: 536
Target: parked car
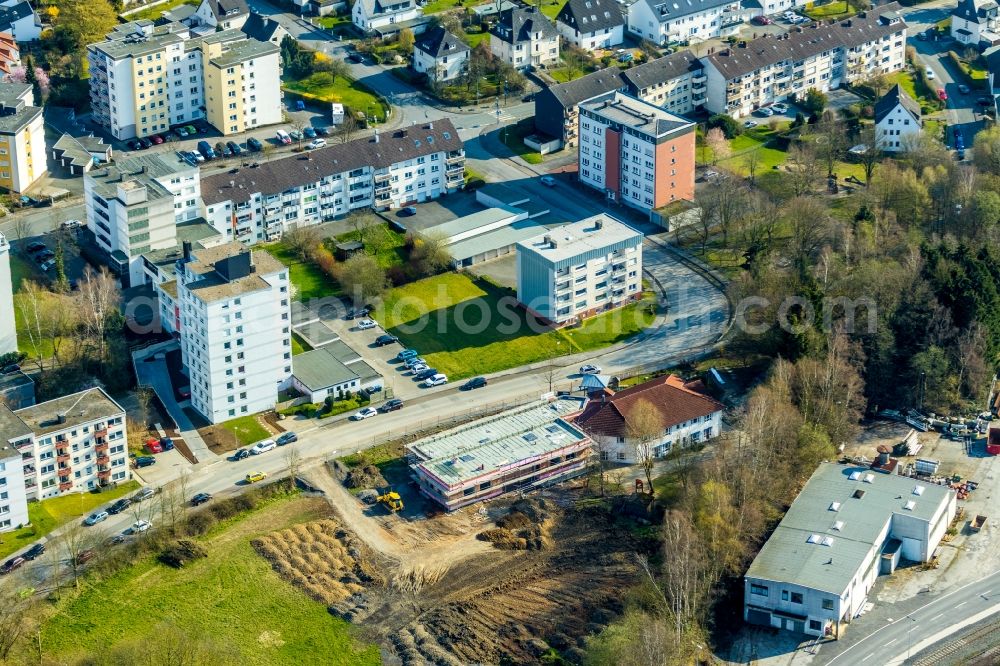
x: 145, y: 461
x: 35, y: 551
x: 241, y: 454
x: 44, y: 256
x: 547, y: 181
x: 364, y: 413
x: 96, y: 517
x: 300, y: 105
x: 286, y: 438
x: 942, y: 95
x: 309, y: 132
x: 84, y: 556
x: 156, y: 139
x: 425, y: 374
x: 929, y: 72
x: 436, y: 380
x: 145, y: 143
x: 206, y: 150
x: 418, y: 368
x: 959, y: 139
x: 180, y: 132
x: 372, y: 390
x: 254, y: 146
x: 222, y: 150
x: 355, y: 58
x: 191, y: 129
x: 391, y: 405
x: 196, y: 156
x: 254, y: 477
x: 9, y: 369
x: 323, y: 131
x: 984, y: 101
x: 234, y: 148
x: 200, y: 499
x: 408, y: 211
x: 366, y: 324
x: 12, y: 564
x: 48, y: 265
x: 140, y: 526
x: 963, y: 89
x: 119, y: 506
x: 474, y: 383
x: 295, y: 135
x: 779, y: 107
x: 765, y: 112
x: 761, y: 20
x: 143, y: 494
x: 590, y: 369
x: 262, y: 446
x: 283, y: 137
x: 383, y: 340
x: 35, y: 246
x: 407, y: 354
x: 72, y: 225
x: 316, y: 143
x: 750, y: 124
x: 413, y: 362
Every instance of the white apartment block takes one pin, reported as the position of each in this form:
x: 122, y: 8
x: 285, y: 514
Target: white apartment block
x: 668, y: 21
x: 753, y: 74
x: 145, y: 79
x: 897, y: 121
x: 523, y: 37
x: 22, y: 138
x: 19, y: 19
x: 13, y: 494
x: 8, y: 331
x: 71, y: 444
x: 134, y: 206
x: 848, y: 525
x: 385, y: 171
x: 975, y: 22
x: 235, y: 328
x: 580, y: 269
x: 223, y: 14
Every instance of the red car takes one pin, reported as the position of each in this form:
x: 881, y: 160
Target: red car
x: 157, y: 139
x: 761, y: 20
x: 942, y: 95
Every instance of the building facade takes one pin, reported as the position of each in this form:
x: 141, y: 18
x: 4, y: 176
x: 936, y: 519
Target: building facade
x: 524, y: 448
x: 687, y: 414
x: 368, y: 15
x: 976, y: 22
x: 753, y: 74
x: 666, y: 22
x: 10, y: 53
x: 635, y: 152
x: 897, y: 121
x: 19, y: 18
x: 848, y: 525
x: 580, y: 269
x: 68, y: 445
x: 440, y: 55
x: 22, y: 138
x: 414, y: 164
x: 231, y: 312
x: 223, y: 14
x: 145, y: 79
x: 591, y: 24
x: 8, y: 330
x: 13, y: 494
x: 134, y: 206
x: 524, y: 37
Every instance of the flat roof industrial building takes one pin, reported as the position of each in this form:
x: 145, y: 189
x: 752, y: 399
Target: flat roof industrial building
x: 522, y: 448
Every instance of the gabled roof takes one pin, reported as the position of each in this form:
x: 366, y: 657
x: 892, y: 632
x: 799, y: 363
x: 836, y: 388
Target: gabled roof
x: 596, y: 83
x: 661, y: 70
x: 896, y: 97
x: 373, y: 8
x: 671, y: 10
x: 439, y: 42
x: 677, y: 402
x: 518, y: 25
x: 591, y: 15
x: 12, y: 14
x: 973, y: 10
x: 223, y: 9
x: 260, y: 27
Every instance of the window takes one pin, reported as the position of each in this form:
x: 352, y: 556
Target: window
x: 796, y: 597
x: 828, y: 604
x: 814, y: 625
x: 759, y: 590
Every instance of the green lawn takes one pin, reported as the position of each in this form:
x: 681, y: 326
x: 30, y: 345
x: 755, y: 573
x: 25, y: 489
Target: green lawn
x: 299, y: 346
x: 47, y: 515
x: 324, y: 87
x: 473, y: 38
x: 232, y: 597
x: 247, y: 430
x: 513, y: 138
x: 388, y: 244
x: 153, y: 13
x: 833, y: 10
x: 435, y: 6
x: 905, y: 81
x: 307, y: 278
x: 466, y: 327
x: 551, y: 8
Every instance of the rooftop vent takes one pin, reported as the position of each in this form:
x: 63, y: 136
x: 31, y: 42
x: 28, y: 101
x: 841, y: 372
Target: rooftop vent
x: 834, y: 506
x: 869, y: 478
x: 858, y: 494
x: 855, y: 476
x: 839, y: 525
x: 814, y: 538
x: 918, y: 490
x: 909, y: 506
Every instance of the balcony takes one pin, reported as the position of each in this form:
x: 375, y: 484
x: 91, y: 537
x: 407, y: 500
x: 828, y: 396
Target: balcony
x: 29, y: 470
x: 65, y: 485
x: 454, y: 159
x: 22, y: 445
x: 103, y: 460
x: 64, y: 472
x: 698, y: 88
x: 104, y: 474
x: 382, y: 177
x: 101, y: 446
x: 62, y: 457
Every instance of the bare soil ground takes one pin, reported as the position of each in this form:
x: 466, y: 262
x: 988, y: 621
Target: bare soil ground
x: 430, y: 592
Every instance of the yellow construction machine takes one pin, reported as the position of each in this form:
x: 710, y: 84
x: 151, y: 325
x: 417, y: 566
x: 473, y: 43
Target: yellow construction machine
x: 391, y: 500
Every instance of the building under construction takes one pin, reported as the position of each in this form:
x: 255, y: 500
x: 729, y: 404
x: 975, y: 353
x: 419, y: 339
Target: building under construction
x: 523, y: 448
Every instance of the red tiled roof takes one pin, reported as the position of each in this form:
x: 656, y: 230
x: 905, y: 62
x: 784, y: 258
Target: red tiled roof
x: 676, y: 400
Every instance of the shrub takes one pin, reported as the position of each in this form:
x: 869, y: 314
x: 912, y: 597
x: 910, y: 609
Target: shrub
x: 11, y: 357
x: 729, y: 125
x: 199, y: 523
x: 181, y: 552
x: 814, y: 102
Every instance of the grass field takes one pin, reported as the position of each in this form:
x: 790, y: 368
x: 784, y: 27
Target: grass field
x: 246, y: 429
x: 389, y: 244
x: 905, y: 81
x: 153, y: 13
x: 832, y: 10
x: 466, y: 327
x: 473, y: 38
x: 299, y: 346
x: 232, y: 597
x: 324, y: 87
x: 307, y: 278
x: 513, y: 138
x: 49, y: 514
x: 551, y: 8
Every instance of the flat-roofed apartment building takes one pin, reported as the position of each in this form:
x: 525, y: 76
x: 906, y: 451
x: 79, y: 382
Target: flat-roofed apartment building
x: 520, y: 449
x: 71, y: 444
x: 823, y: 56
x: 8, y: 330
x: 409, y: 165
x: 22, y: 138
x: 848, y: 525
x: 635, y: 152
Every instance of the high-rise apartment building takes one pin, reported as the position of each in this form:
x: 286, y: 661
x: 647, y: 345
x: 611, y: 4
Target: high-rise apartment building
x: 8, y: 330
x: 22, y: 138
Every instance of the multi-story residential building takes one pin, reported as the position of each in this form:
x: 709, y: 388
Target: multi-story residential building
x: 591, y: 24
x: 580, y: 269
x: 848, y: 525
x: 413, y: 164
x: 976, y: 22
x: 22, y: 138
x: 635, y: 152
x: 146, y: 78
x: 440, y: 55
x: 71, y: 444
x: 368, y: 15
x: 8, y: 331
x: 667, y: 21
x: 687, y: 415
x: 517, y: 450
x: 223, y: 14
x: 134, y: 205
x: 13, y: 494
x: 230, y: 309
x: 821, y: 56
x: 10, y: 53
x: 524, y: 37
x: 897, y: 120
x: 19, y: 18
x: 675, y: 82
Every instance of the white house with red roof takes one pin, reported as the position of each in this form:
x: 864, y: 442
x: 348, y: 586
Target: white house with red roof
x: 688, y: 416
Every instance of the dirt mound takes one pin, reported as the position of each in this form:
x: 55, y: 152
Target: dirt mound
x: 322, y: 558
x: 181, y: 552
x: 503, y: 539
x: 366, y: 476
x: 526, y: 527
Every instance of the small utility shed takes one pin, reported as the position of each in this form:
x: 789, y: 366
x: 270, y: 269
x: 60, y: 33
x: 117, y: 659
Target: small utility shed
x: 318, y: 374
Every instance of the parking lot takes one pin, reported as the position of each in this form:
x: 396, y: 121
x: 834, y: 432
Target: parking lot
x: 34, y: 257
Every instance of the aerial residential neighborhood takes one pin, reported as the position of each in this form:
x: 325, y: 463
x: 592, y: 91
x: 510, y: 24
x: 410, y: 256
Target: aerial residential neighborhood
x: 492, y: 332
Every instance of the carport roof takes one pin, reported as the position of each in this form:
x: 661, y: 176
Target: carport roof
x: 496, y: 239
x: 316, y: 333
x: 460, y: 225
x: 319, y: 369
x: 364, y: 371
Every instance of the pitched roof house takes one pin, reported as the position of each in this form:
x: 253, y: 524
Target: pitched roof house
x: 976, y: 21
x: 591, y: 24
x: 263, y: 28
x: 524, y: 37
x: 440, y: 54
x: 368, y: 15
x: 227, y: 14
x: 897, y: 116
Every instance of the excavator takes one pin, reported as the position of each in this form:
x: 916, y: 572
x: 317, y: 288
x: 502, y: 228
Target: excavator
x: 391, y: 500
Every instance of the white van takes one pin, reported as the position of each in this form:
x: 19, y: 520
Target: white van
x: 283, y: 137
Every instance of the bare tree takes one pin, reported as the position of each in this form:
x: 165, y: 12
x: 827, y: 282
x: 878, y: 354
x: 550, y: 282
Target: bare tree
x: 99, y: 300
x: 716, y: 141
x: 143, y: 401
x: 21, y: 227
x: 644, y: 427
x: 871, y: 154
x: 76, y: 541
x: 347, y: 127
x: 293, y: 461
x: 15, y: 618
x: 752, y: 160
x: 831, y: 139
x: 299, y: 125
x: 303, y: 241
x: 803, y: 167
x: 362, y: 278
x: 361, y: 222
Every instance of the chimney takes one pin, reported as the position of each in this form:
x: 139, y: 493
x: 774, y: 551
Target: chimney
x: 430, y: 126
x: 187, y: 250
x: 599, y: 224
x: 547, y: 239
x: 883, y: 455
x: 376, y: 135
x: 553, y: 243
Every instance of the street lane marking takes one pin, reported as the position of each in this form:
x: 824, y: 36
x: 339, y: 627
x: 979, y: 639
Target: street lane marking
x: 868, y: 657
x: 936, y: 616
x: 961, y: 604
x: 892, y: 641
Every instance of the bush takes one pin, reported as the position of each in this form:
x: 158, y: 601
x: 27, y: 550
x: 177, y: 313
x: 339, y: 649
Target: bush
x: 181, y: 552
x: 12, y: 357
x: 199, y: 523
x: 730, y: 127
x: 814, y: 102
